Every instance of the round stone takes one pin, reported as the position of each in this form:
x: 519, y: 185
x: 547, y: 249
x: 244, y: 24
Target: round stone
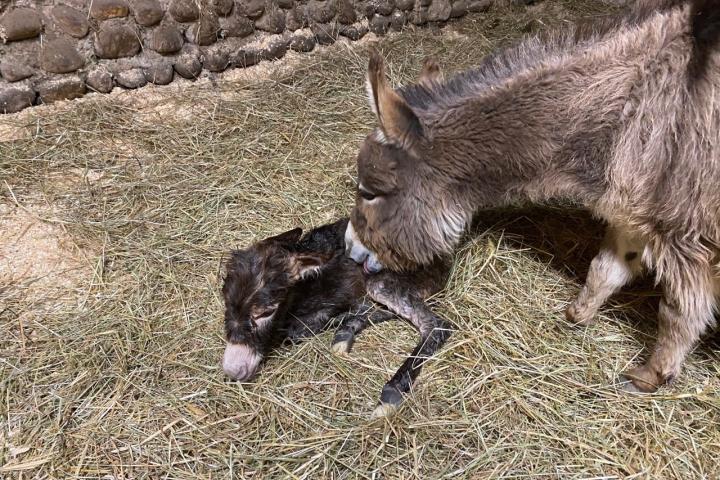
x: 419, y: 17
x: 459, y: 8
x: 325, y: 34
x: 476, y: 6
x: 439, y: 11
x: 15, y: 98
x: 184, y: 10
x: 405, y: 5
x: 64, y: 88
x: 398, y: 20
x: 353, y: 32
x: 346, y: 12
x: 20, y: 24
x: 246, y: 57
x: 100, y: 81
x: 276, y: 49
x: 147, y: 12
x: 385, y: 7
x: 223, y: 7
x: 236, y: 26
x: 272, y: 21
x: 302, y: 43
x: 13, y: 69
x: 252, y: 8
x: 379, y: 24
x: 159, y: 73
x: 216, y: 59
x: 60, y: 56
x: 105, y: 9
x: 321, y: 12
x: 132, y: 78
x: 70, y: 21
x: 188, y: 66
x: 116, y: 41
x: 294, y: 19
x: 166, y: 39
x: 204, y: 32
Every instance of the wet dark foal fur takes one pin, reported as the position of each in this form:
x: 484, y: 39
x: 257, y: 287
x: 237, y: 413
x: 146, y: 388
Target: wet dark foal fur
x: 287, y: 288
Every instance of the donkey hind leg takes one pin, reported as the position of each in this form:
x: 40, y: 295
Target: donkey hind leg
x: 617, y: 263
x: 686, y: 310
x: 434, y: 332
x: 351, y: 324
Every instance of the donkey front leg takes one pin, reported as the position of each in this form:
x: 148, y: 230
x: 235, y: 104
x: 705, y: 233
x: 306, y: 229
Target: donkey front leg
x: 434, y: 332
x: 685, y: 312
x: 351, y: 324
x: 617, y: 263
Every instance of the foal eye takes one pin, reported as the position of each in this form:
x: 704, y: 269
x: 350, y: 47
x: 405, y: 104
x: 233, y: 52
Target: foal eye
x: 264, y: 314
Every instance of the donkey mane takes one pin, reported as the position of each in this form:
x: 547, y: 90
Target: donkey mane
x: 539, y: 49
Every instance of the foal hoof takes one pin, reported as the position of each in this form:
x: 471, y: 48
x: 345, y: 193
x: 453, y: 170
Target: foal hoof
x: 575, y: 315
x: 342, y: 347
x: 390, y: 400
x: 342, y: 342
x: 383, y: 410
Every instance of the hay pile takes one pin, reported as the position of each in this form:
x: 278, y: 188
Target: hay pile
x: 115, y: 374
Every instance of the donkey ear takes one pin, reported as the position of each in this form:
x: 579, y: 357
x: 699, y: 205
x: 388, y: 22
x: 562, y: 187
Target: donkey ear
x: 290, y: 237
x: 304, y: 265
x: 397, y: 119
x: 430, y: 73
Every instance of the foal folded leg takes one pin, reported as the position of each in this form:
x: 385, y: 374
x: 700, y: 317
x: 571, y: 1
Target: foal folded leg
x: 352, y: 323
x: 434, y: 332
x: 617, y: 263
x: 686, y: 310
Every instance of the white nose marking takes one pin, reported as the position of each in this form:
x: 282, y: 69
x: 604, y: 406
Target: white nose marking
x: 240, y: 362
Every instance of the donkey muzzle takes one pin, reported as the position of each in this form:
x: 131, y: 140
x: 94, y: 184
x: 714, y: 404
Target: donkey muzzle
x: 359, y: 253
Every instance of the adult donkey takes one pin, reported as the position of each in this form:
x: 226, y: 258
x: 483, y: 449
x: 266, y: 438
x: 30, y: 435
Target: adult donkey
x: 622, y: 117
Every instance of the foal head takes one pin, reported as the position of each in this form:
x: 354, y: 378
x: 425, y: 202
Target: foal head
x: 257, y: 291
x: 403, y: 215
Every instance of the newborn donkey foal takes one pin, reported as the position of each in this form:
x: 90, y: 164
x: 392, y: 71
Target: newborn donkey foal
x: 288, y: 287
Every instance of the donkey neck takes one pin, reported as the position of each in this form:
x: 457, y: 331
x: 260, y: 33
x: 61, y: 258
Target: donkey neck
x: 524, y: 140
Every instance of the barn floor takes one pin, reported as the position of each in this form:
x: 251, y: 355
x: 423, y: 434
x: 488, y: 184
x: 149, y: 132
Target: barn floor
x: 115, y: 212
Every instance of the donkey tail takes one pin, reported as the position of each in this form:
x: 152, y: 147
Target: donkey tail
x: 705, y: 31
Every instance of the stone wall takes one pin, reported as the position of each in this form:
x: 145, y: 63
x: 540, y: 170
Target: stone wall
x: 61, y: 49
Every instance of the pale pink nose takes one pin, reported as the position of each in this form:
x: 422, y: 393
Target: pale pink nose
x: 240, y: 362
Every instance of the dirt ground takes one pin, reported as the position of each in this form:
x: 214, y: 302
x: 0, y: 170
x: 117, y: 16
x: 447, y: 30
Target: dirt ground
x: 115, y: 214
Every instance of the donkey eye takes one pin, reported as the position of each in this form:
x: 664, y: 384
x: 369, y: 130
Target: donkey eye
x: 367, y: 195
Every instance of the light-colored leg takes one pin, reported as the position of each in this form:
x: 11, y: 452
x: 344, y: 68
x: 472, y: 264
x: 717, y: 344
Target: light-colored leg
x: 617, y: 263
x: 686, y: 310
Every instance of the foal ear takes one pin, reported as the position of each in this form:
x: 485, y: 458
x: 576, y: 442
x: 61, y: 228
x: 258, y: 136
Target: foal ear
x: 430, y: 73
x: 305, y: 265
x: 397, y: 120
x: 290, y: 237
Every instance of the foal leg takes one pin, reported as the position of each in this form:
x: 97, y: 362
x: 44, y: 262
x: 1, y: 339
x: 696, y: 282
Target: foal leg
x: 685, y: 312
x: 434, y: 331
x: 351, y: 324
x: 617, y: 263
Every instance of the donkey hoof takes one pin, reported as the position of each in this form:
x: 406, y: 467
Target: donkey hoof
x: 639, y: 380
x: 626, y: 385
x: 342, y: 347
x: 383, y: 410
x: 575, y: 315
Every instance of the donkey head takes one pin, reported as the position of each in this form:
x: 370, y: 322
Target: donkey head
x: 403, y: 215
x: 257, y: 291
